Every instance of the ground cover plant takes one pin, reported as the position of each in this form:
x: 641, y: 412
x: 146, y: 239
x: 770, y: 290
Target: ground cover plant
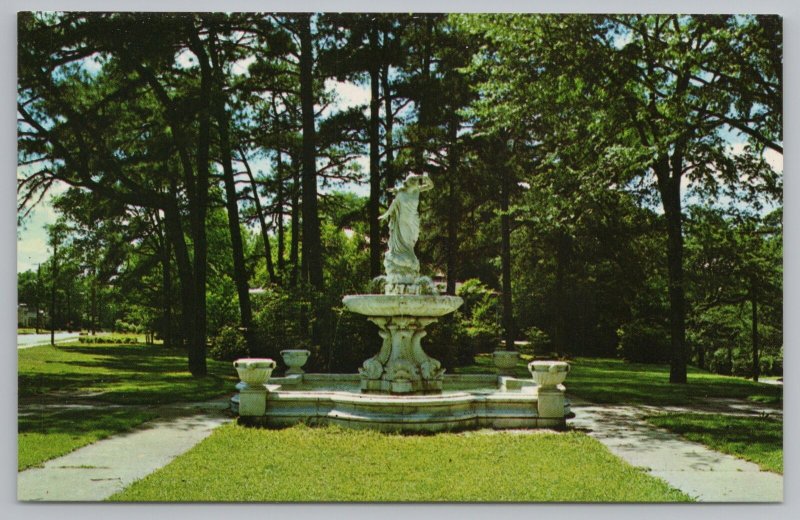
x: 302, y: 464
x: 45, y: 433
x: 757, y: 439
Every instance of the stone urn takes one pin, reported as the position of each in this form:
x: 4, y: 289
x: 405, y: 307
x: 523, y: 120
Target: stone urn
x: 294, y: 360
x: 505, y: 361
x: 254, y: 372
x: 548, y: 374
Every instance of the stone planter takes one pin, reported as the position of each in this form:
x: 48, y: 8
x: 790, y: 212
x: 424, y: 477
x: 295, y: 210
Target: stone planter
x: 254, y: 372
x: 294, y: 360
x: 548, y: 374
x: 505, y: 361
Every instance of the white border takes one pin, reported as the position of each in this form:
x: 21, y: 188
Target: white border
x: 11, y: 509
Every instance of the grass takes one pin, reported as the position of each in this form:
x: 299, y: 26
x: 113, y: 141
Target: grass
x: 603, y: 380
x: 757, y: 439
x: 301, y: 464
x: 47, y: 434
x: 135, y: 375
x: 120, y: 374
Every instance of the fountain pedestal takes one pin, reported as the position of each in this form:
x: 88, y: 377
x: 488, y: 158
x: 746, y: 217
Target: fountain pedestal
x: 401, y: 366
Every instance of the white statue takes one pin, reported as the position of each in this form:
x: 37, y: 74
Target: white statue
x: 400, y: 261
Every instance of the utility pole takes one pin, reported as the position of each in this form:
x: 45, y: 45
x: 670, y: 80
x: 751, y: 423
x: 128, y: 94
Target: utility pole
x: 38, y: 295
x: 53, y: 294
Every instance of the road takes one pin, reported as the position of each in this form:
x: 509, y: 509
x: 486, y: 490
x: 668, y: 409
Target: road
x: 36, y: 340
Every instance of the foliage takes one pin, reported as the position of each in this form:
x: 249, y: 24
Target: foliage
x: 479, y: 323
x: 757, y: 439
x: 594, y: 174
x: 228, y: 345
x: 311, y: 465
x: 641, y: 341
x: 538, y: 341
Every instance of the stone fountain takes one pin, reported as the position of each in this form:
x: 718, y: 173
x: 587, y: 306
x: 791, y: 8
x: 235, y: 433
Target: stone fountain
x: 409, y: 304
x: 401, y: 388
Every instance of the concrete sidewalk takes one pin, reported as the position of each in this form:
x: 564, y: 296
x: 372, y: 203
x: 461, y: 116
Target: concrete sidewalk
x: 701, y: 473
x: 97, y: 471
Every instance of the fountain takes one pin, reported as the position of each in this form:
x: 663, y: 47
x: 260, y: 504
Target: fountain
x: 408, y: 305
x: 401, y: 388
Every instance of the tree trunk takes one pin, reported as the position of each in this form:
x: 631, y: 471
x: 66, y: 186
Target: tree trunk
x: 167, y: 291
x: 755, y: 338
x: 373, y: 208
x: 422, y: 108
x: 388, y: 173
x: 560, y: 305
x: 670, y: 190
x: 505, y: 258
x: 237, y: 247
x: 198, y: 210
x: 261, y: 220
x: 175, y: 235
x: 453, y: 210
x: 294, y: 246
x: 279, y: 210
x: 312, y: 243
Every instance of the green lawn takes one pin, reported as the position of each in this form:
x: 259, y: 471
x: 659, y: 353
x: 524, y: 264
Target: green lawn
x: 757, y: 439
x: 121, y: 374
x: 136, y: 375
x: 604, y: 380
x: 47, y: 434
x: 302, y: 464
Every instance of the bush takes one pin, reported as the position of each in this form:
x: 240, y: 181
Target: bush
x: 539, y: 341
x: 228, y: 345
x: 478, y: 317
x: 641, y: 341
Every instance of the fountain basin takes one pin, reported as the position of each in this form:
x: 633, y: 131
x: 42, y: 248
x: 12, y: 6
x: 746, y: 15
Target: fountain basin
x: 468, y: 401
x: 388, y: 305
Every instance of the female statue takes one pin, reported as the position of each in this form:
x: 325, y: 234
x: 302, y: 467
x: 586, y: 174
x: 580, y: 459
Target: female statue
x: 400, y: 262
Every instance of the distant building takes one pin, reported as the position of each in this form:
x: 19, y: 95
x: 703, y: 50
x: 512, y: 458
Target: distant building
x: 27, y: 317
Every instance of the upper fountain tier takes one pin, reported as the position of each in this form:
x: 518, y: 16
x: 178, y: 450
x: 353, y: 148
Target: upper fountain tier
x: 421, y: 306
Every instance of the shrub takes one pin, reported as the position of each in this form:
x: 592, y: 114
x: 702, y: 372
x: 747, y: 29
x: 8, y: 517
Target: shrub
x: 228, y: 345
x: 643, y: 341
x: 538, y: 340
x: 478, y: 317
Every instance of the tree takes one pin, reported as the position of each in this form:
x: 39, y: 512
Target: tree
x: 656, y: 94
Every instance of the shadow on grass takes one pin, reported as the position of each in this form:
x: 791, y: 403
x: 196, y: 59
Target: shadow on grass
x: 616, y: 381
x: 77, y: 421
x: 125, y: 374
x: 757, y: 439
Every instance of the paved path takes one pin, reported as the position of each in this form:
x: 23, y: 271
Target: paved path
x: 701, y: 473
x: 97, y: 471
x: 37, y: 340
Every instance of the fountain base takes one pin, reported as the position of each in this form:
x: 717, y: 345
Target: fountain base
x: 468, y: 401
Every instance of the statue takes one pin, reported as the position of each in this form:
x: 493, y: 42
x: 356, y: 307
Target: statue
x: 400, y: 261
